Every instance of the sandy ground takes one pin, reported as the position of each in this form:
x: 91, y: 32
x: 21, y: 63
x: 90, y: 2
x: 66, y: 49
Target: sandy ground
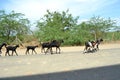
x: 71, y: 64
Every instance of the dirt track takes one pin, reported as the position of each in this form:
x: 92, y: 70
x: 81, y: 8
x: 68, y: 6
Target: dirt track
x: 71, y: 64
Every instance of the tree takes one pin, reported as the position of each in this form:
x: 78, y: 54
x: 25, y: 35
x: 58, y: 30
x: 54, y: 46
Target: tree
x: 98, y: 25
x: 53, y: 24
x: 13, y: 24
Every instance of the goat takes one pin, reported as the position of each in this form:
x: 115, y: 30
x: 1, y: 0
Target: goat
x: 32, y: 48
x: 92, y: 46
x: 98, y: 41
x: 89, y: 46
x: 11, y: 48
x: 55, y: 43
x: 3, y: 44
x: 44, y: 45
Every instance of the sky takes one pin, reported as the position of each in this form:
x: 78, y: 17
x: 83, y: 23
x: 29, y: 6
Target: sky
x: 85, y: 9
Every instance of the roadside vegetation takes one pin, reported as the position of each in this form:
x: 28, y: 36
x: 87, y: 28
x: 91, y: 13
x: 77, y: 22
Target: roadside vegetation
x: 57, y: 25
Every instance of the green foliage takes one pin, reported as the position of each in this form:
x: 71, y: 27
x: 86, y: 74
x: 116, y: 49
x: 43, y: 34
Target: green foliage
x: 53, y: 24
x: 97, y: 26
x: 57, y: 25
x: 12, y: 24
x: 112, y: 36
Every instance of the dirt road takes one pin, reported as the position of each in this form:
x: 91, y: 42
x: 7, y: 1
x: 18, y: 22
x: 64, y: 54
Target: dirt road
x: 71, y: 64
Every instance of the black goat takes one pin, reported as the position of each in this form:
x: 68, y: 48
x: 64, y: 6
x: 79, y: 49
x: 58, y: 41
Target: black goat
x: 31, y: 48
x: 98, y: 41
x: 3, y: 44
x: 44, y: 45
x: 11, y: 48
x: 55, y: 43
